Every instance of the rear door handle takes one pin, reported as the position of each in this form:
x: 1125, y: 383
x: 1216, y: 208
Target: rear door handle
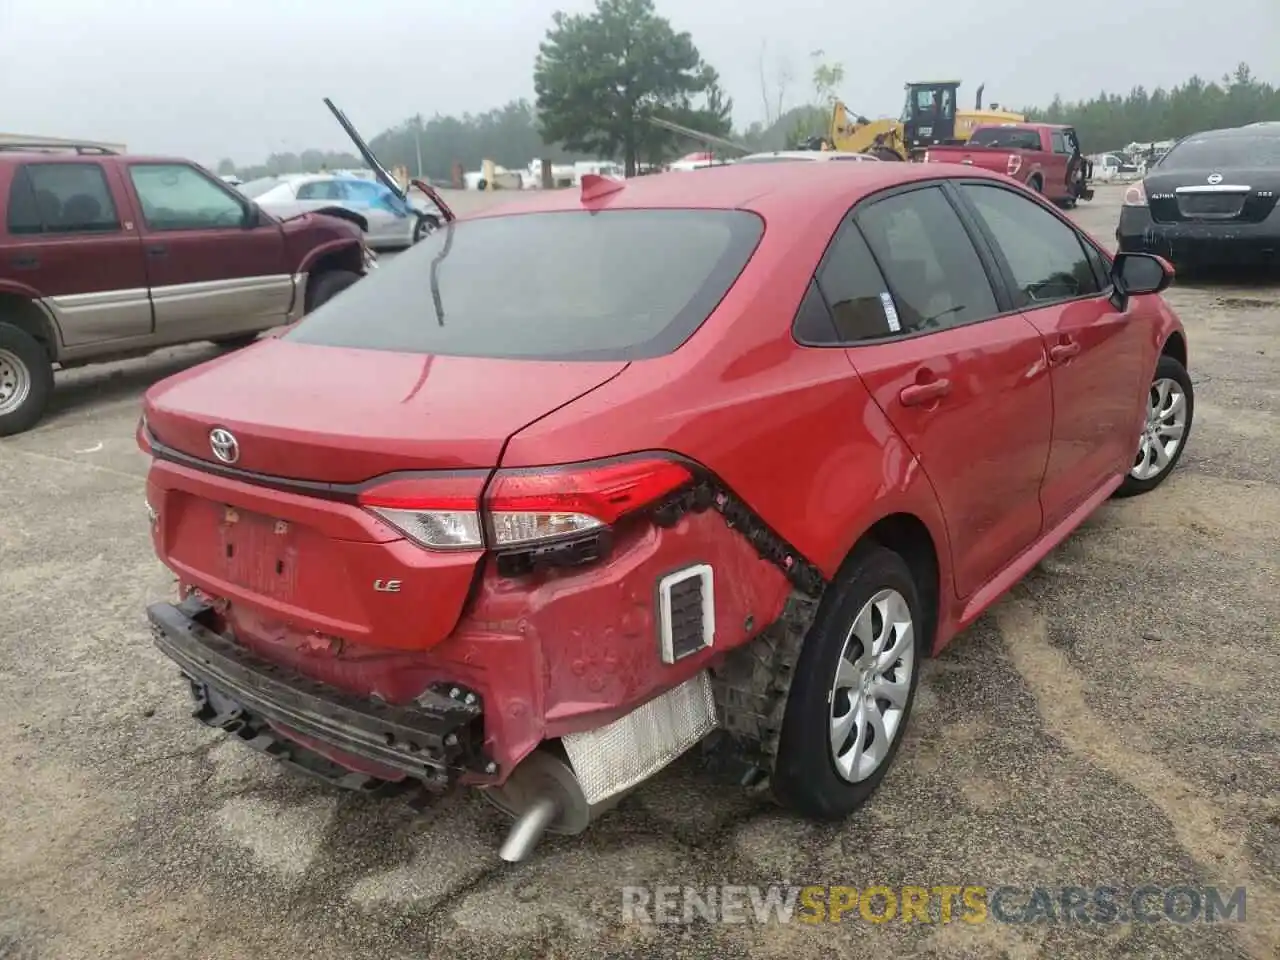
x: 157, y: 251
x: 27, y: 262
x: 919, y: 394
x: 1062, y: 352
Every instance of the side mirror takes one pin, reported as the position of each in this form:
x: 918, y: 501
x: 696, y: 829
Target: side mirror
x: 1135, y: 274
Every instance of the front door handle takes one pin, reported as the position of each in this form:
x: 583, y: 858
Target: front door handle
x: 1062, y: 352
x: 25, y: 262
x: 157, y: 251
x: 920, y: 394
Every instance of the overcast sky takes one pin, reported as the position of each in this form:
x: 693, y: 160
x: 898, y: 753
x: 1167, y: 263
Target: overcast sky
x: 242, y: 78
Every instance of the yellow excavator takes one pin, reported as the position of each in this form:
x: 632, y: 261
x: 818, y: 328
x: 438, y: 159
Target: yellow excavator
x: 930, y: 117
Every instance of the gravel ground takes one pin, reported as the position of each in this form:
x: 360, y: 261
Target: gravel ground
x: 1114, y: 721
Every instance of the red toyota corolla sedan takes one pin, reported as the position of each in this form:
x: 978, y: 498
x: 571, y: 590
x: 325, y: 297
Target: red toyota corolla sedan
x: 572, y: 487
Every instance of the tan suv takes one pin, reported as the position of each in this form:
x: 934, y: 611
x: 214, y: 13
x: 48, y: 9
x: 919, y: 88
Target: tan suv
x: 106, y: 256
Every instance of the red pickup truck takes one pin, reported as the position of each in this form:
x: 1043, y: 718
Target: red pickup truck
x: 1044, y: 156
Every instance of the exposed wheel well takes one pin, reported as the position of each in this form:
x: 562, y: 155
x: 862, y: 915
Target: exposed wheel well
x: 27, y: 316
x: 1176, y: 347
x: 908, y: 537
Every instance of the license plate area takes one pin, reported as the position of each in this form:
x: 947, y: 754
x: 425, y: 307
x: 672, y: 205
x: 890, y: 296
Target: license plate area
x: 1210, y: 206
x: 258, y: 553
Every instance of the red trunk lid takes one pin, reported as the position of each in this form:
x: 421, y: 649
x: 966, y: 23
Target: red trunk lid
x: 293, y: 565
x: 339, y: 415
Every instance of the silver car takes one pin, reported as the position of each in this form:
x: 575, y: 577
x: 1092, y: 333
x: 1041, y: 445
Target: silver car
x: 782, y: 156
x: 389, y: 221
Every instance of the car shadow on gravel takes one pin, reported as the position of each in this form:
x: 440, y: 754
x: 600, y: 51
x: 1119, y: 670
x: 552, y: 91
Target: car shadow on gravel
x: 80, y: 389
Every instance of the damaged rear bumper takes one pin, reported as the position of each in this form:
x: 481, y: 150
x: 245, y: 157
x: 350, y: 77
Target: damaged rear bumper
x: 437, y: 740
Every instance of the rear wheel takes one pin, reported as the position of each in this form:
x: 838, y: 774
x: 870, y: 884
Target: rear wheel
x: 1035, y: 184
x: 26, y: 380
x: 854, y: 684
x: 326, y: 286
x: 1170, y: 408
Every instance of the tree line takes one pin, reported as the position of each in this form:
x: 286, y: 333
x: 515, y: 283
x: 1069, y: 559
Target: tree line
x: 601, y: 77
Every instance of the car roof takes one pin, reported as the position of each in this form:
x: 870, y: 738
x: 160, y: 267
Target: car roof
x: 765, y: 188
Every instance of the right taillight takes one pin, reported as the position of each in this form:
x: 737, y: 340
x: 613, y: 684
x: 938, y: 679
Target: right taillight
x: 525, y: 507
x: 1014, y: 164
x: 1135, y: 195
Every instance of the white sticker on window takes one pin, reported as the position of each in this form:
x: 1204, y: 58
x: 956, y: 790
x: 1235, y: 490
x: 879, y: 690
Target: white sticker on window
x: 890, y: 311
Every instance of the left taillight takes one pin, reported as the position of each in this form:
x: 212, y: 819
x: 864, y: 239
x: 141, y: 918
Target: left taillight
x: 525, y: 507
x: 439, y: 512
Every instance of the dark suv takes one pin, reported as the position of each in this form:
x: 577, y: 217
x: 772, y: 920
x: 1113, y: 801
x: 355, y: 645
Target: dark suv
x: 105, y: 256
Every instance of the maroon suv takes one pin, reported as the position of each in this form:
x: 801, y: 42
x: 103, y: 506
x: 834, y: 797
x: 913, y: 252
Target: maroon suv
x: 105, y: 256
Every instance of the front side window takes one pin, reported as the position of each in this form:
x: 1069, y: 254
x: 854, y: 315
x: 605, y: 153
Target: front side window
x: 61, y: 198
x: 320, y: 190
x: 573, y: 285
x: 177, y: 197
x: 1046, y: 256
x: 933, y: 272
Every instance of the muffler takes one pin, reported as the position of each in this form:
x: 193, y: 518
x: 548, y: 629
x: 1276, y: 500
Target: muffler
x: 563, y: 787
x: 544, y: 795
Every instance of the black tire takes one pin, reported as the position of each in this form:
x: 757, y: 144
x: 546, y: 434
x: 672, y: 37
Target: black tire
x: 427, y: 223
x: 1035, y: 185
x: 325, y: 286
x: 24, y: 366
x: 805, y: 778
x: 482, y: 184
x: 1168, y: 369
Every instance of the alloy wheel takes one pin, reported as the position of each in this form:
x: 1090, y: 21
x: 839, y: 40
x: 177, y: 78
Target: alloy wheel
x: 873, y: 683
x: 1164, y: 431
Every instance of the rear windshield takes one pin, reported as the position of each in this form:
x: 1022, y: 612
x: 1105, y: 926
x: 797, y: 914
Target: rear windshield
x: 1202, y: 153
x: 1009, y: 138
x: 610, y: 285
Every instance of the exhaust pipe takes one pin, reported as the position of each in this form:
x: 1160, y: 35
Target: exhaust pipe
x: 544, y: 796
x: 978, y: 104
x: 528, y: 829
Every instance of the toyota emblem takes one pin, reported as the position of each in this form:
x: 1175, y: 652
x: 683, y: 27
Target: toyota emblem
x: 1215, y: 178
x: 225, y: 446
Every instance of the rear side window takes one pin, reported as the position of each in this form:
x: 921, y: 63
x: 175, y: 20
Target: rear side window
x: 61, y: 198
x: 610, y: 285
x: 1045, y: 256
x: 931, y: 268
x: 1010, y: 138
x: 854, y: 289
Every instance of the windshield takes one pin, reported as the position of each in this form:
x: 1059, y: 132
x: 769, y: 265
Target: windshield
x: 1010, y: 138
x: 1204, y: 153
x: 576, y: 285
x: 256, y: 188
